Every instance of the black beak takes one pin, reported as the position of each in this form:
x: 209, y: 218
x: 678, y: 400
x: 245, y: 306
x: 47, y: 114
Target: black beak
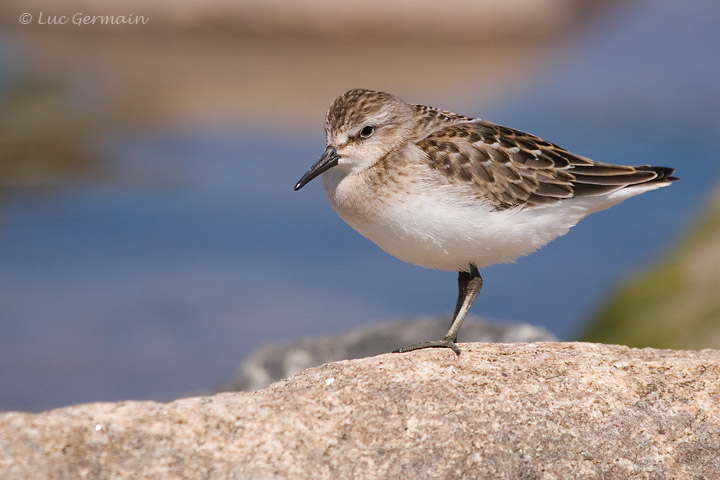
x: 328, y: 160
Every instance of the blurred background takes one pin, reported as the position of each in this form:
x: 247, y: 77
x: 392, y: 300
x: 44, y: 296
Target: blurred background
x: 149, y: 235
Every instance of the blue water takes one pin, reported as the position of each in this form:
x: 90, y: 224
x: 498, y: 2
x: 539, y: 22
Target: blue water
x: 159, y: 281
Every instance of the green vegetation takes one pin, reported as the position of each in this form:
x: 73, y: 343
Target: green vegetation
x: 675, y: 304
x: 44, y: 139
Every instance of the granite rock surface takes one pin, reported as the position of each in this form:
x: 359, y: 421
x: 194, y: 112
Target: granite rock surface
x: 524, y: 410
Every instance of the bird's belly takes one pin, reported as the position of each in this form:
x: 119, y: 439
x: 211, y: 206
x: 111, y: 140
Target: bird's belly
x: 448, y: 232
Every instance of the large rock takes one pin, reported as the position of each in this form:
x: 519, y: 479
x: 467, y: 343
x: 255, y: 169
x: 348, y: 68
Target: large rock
x: 543, y: 410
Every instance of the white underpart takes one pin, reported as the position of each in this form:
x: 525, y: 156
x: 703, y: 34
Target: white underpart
x: 433, y: 225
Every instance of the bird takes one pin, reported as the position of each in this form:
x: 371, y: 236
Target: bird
x: 452, y: 192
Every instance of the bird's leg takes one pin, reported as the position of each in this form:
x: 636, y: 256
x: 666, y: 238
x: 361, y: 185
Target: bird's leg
x: 469, y: 285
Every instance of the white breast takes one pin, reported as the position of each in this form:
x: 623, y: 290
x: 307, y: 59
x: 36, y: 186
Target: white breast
x: 435, y: 226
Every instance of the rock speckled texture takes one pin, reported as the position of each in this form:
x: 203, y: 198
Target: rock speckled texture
x: 530, y: 411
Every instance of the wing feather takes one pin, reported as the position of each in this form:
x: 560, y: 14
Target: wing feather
x: 510, y: 168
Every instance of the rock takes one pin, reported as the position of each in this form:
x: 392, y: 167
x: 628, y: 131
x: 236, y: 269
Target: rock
x: 533, y: 411
x: 277, y: 361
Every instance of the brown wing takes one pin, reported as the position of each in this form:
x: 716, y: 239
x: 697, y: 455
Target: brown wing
x: 510, y: 168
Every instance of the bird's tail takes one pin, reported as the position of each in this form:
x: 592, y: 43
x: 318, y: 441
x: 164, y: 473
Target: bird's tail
x: 663, y: 174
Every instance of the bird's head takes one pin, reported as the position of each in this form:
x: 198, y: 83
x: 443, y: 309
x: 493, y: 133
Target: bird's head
x: 362, y: 126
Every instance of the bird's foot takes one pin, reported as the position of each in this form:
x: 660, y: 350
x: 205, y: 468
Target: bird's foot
x: 444, y: 343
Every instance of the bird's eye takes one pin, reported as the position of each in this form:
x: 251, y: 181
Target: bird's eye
x: 367, y: 131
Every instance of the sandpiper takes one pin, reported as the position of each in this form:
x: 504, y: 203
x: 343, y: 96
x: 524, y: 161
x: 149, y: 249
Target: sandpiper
x: 452, y: 192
